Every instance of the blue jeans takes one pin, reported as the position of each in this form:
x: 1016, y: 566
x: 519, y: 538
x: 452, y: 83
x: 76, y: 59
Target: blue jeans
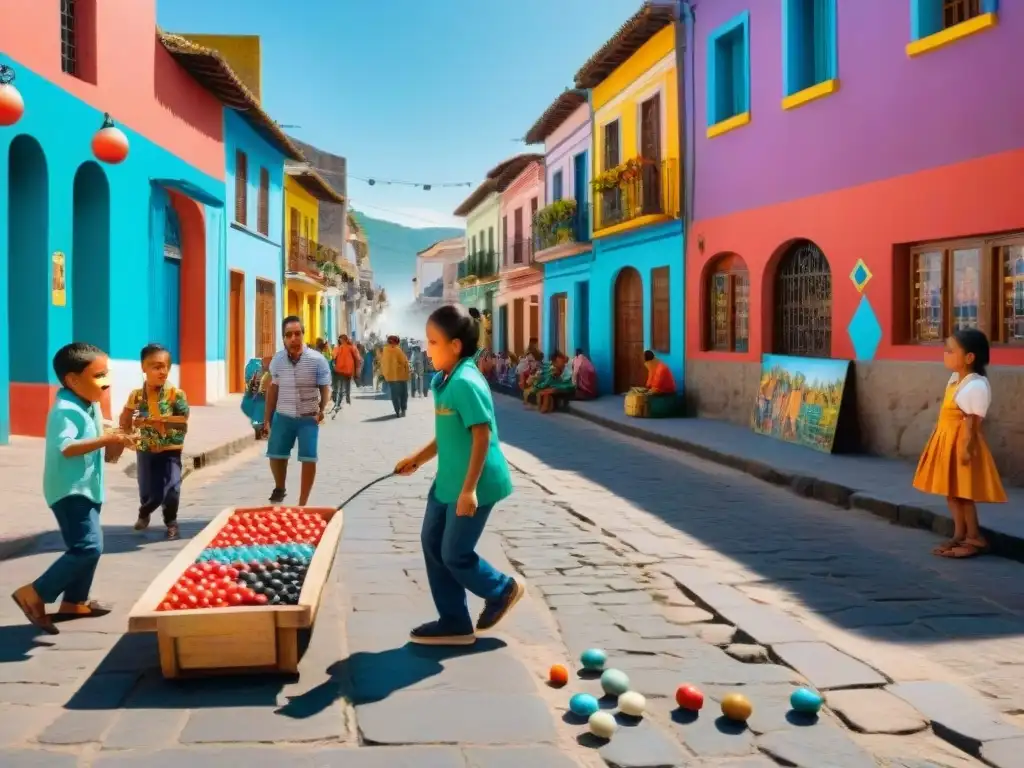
x: 159, y: 476
x: 286, y: 431
x: 79, y: 521
x: 453, y: 566
x: 399, y: 395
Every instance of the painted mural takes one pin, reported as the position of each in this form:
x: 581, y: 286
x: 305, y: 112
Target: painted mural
x: 799, y: 400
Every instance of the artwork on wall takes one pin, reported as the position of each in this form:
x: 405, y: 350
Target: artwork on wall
x: 799, y: 400
x: 58, y: 284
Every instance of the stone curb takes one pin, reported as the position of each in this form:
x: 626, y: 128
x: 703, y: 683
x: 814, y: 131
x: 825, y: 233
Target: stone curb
x: 908, y: 515
x: 11, y: 547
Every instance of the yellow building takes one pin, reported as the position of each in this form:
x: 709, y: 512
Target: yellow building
x: 305, y: 260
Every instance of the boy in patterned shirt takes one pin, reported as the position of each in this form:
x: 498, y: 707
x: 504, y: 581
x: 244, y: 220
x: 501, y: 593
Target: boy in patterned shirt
x: 159, y: 411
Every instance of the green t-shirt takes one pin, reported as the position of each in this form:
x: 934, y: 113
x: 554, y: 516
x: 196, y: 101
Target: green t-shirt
x: 71, y: 419
x: 460, y: 403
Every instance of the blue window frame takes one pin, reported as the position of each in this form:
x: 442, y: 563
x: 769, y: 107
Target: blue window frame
x: 556, y: 186
x: 809, y: 44
x: 728, y: 75
x: 927, y: 17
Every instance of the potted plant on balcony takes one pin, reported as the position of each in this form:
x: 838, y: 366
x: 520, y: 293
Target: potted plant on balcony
x: 553, y: 223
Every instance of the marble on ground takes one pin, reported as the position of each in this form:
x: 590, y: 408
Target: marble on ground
x: 594, y: 543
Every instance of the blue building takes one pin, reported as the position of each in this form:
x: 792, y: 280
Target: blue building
x: 561, y: 229
x: 255, y: 242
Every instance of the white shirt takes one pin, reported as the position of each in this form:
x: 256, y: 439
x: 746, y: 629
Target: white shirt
x: 299, y: 381
x: 974, y: 396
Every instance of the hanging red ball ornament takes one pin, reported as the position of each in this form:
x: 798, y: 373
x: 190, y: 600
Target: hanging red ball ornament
x: 12, y: 106
x: 110, y: 145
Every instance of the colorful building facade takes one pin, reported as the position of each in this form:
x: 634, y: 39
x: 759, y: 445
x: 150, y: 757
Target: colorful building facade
x: 117, y: 255
x: 882, y: 214
x: 636, y: 278
x: 479, y: 273
x: 519, y: 291
x: 561, y: 229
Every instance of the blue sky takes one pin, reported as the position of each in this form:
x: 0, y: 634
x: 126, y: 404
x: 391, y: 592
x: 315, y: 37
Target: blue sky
x: 426, y: 91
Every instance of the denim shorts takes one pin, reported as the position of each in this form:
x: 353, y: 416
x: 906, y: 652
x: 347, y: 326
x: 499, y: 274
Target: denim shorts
x: 285, y: 431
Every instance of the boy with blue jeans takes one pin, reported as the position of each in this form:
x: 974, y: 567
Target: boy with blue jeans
x: 73, y: 486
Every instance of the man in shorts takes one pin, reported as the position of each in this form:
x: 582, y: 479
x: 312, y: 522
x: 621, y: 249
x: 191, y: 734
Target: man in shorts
x: 298, y: 395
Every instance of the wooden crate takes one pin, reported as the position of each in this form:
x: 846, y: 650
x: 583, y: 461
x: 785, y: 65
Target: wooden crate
x: 235, y: 640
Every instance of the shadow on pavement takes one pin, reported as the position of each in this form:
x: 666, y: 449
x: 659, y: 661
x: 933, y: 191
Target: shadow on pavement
x: 853, y: 570
x: 385, y: 417
x: 117, y: 539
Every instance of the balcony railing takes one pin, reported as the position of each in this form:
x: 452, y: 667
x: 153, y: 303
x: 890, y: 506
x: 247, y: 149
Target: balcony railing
x: 518, y: 252
x: 563, y: 222
x: 308, y: 257
x: 479, y: 265
x: 635, y: 189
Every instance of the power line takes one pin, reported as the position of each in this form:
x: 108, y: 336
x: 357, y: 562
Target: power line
x: 401, y: 213
x: 425, y: 186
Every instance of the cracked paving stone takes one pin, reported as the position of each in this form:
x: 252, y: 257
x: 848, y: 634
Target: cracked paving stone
x: 707, y: 735
x: 36, y: 758
x: 716, y: 634
x: 747, y: 653
x: 680, y: 614
x: 639, y: 745
x: 957, y: 714
x: 512, y: 757
x: 826, y: 667
x: 456, y: 718
x: 875, y: 711
x: 815, y: 746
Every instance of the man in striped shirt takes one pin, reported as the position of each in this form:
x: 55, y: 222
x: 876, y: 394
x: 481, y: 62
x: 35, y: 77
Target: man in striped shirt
x: 299, y: 391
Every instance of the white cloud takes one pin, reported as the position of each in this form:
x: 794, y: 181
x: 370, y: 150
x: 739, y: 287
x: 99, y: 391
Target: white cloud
x: 414, y: 218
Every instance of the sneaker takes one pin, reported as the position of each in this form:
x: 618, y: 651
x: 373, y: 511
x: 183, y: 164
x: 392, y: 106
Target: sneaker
x: 31, y: 604
x: 278, y: 495
x: 142, y: 523
x: 173, y: 534
x: 495, y: 610
x: 88, y: 609
x: 432, y: 633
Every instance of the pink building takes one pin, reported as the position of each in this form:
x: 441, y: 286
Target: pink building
x: 522, y: 278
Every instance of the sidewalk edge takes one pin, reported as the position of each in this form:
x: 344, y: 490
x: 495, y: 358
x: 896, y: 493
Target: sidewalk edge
x: 840, y: 495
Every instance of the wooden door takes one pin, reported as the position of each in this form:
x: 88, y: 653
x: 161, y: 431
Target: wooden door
x: 650, y: 150
x: 534, y: 321
x: 629, y: 331
x: 265, y: 321
x: 236, y: 333
x: 559, y: 324
x: 517, y: 327
x: 503, y: 328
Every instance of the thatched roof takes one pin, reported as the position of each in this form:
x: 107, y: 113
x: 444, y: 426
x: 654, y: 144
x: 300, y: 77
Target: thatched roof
x: 211, y: 70
x: 567, y: 102
x: 641, y: 27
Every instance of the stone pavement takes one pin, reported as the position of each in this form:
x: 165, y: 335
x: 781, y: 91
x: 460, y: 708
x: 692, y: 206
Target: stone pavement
x: 215, y: 432
x: 882, y: 486
x: 590, y: 531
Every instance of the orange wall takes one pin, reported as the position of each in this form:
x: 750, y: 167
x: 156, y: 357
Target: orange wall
x: 132, y: 76
x: 973, y: 198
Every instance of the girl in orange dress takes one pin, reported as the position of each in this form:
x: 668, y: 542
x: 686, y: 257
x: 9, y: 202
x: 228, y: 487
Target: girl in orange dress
x: 956, y: 462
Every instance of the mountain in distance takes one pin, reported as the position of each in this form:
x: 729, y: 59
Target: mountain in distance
x: 393, y: 249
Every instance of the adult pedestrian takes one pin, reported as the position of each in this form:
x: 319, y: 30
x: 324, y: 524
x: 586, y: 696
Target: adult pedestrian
x: 346, y: 363
x: 299, y: 391
x: 394, y: 367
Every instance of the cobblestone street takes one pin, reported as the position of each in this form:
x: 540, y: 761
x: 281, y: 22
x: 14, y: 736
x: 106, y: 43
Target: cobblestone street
x: 682, y: 570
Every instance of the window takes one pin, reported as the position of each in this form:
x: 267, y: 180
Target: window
x: 265, y: 323
x: 803, y: 302
x: 241, y: 187
x: 729, y: 305
x: 534, y: 204
x: 68, y: 37
x: 958, y: 11
x: 556, y: 186
x: 728, y: 78
x: 517, y: 236
x: 263, y: 209
x: 929, y: 17
x: 809, y: 49
x: 661, y: 323
x: 504, y: 236
x: 968, y: 284
x: 611, y: 145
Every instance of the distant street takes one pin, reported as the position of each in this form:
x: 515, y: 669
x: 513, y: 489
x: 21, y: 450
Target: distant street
x: 683, y: 571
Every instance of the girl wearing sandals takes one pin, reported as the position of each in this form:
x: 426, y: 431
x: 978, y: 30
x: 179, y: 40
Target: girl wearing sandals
x: 956, y: 462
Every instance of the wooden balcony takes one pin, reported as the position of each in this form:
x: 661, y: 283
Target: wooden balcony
x: 639, y: 191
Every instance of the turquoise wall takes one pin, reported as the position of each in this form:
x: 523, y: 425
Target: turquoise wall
x: 115, y: 295
x: 566, y: 276
x: 256, y: 255
x: 643, y: 249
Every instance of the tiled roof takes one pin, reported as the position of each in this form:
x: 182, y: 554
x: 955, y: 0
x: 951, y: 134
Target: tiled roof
x: 314, y: 183
x: 652, y: 17
x: 567, y: 102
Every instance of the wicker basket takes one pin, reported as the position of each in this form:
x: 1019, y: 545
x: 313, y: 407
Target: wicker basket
x: 636, y: 405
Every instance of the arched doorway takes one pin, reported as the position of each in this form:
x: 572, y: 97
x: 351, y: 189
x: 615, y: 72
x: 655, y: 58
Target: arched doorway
x: 28, y: 288
x: 90, y: 256
x: 803, y: 302
x: 629, y: 331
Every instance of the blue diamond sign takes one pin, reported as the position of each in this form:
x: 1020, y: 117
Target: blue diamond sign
x: 864, y: 330
x: 860, y: 275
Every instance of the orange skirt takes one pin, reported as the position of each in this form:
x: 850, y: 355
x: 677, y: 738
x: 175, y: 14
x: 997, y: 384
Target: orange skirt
x: 939, y: 470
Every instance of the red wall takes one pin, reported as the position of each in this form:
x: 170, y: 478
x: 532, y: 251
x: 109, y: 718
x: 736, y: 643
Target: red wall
x: 977, y: 197
x: 126, y: 72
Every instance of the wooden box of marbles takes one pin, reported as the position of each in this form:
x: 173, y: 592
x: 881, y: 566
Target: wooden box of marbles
x: 235, y: 599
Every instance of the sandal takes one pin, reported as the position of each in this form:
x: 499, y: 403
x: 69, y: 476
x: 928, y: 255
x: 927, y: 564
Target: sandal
x: 945, y: 546
x: 966, y: 549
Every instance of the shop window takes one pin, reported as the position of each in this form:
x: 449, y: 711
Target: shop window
x: 661, y: 323
x: 977, y: 283
x: 729, y: 305
x: 809, y: 44
x: 728, y: 79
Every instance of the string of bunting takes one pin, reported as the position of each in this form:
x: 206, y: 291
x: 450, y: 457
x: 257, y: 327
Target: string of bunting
x: 421, y: 185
